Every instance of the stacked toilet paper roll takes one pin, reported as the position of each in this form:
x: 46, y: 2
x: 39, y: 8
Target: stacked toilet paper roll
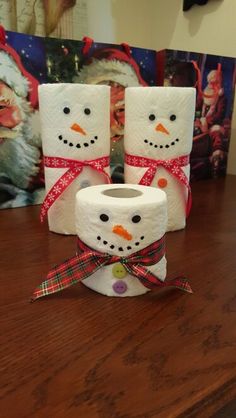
x: 75, y: 126
x: 158, y: 141
x: 120, y: 220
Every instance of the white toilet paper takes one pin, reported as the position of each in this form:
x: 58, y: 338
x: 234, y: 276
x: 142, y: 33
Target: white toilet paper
x: 159, y: 126
x: 120, y: 220
x: 75, y: 125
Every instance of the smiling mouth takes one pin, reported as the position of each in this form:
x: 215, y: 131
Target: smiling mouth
x: 161, y: 145
x: 78, y: 145
x: 116, y: 247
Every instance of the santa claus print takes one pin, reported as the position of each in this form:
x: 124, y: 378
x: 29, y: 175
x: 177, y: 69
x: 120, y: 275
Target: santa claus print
x: 212, y: 108
x: 20, y: 143
x: 118, y: 69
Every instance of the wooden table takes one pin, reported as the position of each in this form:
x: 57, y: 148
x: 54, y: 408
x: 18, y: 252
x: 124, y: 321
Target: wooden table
x: 78, y: 354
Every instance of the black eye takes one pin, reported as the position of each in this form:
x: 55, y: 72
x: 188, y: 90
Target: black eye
x: 152, y: 117
x: 87, y: 111
x: 104, y: 217
x: 136, y: 219
x: 66, y: 110
x: 172, y: 117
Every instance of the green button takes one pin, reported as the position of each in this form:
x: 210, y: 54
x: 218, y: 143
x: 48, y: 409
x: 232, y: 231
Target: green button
x: 119, y: 271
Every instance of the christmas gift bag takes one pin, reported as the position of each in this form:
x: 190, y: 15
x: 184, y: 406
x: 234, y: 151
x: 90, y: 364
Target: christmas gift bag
x: 27, y: 61
x: 21, y: 168
x: 118, y: 66
x: 214, y: 79
x: 31, y: 60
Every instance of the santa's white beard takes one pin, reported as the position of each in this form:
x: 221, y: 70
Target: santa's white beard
x: 19, y: 157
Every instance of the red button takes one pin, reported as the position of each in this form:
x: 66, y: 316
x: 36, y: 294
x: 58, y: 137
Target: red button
x: 162, y: 183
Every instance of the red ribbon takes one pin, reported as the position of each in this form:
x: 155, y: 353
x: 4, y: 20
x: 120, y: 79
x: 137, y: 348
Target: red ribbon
x: 173, y: 166
x: 74, y: 169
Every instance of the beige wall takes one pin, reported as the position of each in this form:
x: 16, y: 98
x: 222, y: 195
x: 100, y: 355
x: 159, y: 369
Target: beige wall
x: 161, y: 24
x: 135, y: 22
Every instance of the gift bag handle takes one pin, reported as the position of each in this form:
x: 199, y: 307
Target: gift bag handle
x: 2, y: 35
x: 198, y: 83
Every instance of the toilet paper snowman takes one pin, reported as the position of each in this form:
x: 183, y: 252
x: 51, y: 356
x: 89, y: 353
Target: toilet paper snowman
x: 120, y: 245
x: 75, y: 126
x: 123, y: 221
x: 158, y: 141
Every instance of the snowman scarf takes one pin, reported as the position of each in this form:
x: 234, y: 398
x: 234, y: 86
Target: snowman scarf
x: 88, y: 260
x: 173, y: 166
x: 74, y: 168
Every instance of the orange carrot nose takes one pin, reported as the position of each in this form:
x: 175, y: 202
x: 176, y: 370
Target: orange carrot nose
x: 120, y: 230
x: 162, y: 129
x: 78, y: 128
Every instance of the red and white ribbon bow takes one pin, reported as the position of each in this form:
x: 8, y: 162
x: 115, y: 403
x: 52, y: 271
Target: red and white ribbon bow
x: 173, y: 166
x: 74, y: 169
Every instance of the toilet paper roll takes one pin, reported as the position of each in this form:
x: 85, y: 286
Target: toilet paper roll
x: 75, y: 125
x: 121, y: 219
x: 158, y: 140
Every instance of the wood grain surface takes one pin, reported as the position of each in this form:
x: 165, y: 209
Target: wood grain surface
x: 78, y: 354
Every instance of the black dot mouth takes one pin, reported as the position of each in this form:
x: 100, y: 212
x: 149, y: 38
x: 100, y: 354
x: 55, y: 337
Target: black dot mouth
x: 120, y: 249
x: 151, y: 144
x: 78, y: 145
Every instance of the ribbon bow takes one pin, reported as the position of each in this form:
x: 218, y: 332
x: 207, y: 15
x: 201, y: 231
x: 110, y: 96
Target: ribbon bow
x: 174, y: 166
x: 87, y: 261
x: 74, y: 169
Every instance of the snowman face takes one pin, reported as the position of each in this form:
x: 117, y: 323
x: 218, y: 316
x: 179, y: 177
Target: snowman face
x: 160, y: 119
x: 120, y: 230
x: 75, y: 120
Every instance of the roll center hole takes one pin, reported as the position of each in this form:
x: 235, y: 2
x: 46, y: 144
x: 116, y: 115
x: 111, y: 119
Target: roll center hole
x: 122, y: 193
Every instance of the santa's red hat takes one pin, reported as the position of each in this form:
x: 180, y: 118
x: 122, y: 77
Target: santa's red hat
x: 110, y: 64
x: 13, y: 73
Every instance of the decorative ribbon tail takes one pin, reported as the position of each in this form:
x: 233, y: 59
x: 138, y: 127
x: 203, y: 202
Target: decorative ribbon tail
x: 179, y: 283
x: 42, y: 214
x: 59, y: 278
x: 57, y: 189
x: 148, y: 177
x: 189, y: 202
x: 74, y: 168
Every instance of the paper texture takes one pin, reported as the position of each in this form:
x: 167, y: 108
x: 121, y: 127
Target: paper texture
x: 159, y: 126
x: 71, y: 116
x: 99, y: 210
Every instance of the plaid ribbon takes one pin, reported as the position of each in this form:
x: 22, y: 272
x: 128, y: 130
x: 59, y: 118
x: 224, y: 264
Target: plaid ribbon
x: 174, y: 166
x: 74, y: 169
x: 87, y: 261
